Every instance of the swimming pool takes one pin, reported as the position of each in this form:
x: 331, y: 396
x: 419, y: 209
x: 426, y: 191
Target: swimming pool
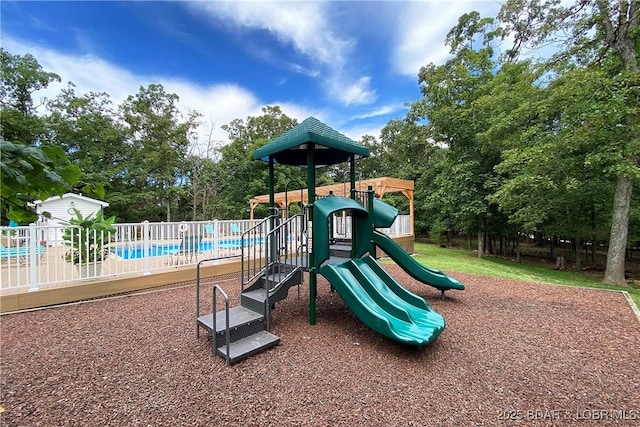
x: 156, y: 249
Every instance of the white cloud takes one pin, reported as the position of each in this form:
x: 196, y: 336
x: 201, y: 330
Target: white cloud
x: 383, y: 110
x: 422, y: 28
x: 219, y: 103
x: 358, y: 92
x: 87, y: 72
x: 357, y: 132
x: 302, y: 24
x: 307, y: 27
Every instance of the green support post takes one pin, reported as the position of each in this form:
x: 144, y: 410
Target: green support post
x: 272, y: 205
x: 311, y: 192
x: 370, y: 224
x: 352, y: 173
x: 272, y: 196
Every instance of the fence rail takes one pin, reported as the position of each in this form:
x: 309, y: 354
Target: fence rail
x: 33, y: 257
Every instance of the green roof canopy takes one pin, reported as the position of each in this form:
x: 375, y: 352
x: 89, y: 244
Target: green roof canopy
x: 291, y: 147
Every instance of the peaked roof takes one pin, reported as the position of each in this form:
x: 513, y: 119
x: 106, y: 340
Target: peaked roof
x: 71, y: 196
x: 291, y: 147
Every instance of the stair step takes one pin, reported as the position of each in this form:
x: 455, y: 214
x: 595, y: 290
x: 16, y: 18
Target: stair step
x: 339, y: 247
x: 281, y: 268
x: 249, y: 346
x: 259, y: 295
x: 238, y: 316
x: 340, y: 251
x: 273, y: 278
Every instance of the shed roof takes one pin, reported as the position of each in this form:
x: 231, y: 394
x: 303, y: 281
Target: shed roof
x: 330, y: 146
x: 70, y: 196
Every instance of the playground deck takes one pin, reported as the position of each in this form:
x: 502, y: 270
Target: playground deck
x: 512, y: 351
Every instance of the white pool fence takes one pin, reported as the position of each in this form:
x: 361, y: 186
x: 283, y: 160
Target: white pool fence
x: 33, y: 256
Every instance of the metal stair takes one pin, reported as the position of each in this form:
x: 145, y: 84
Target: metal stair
x: 246, y: 334
x: 239, y: 332
x: 280, y: 278
x: 247, y: 329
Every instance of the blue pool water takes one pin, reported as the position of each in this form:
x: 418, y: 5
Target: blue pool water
x: 155, y: 249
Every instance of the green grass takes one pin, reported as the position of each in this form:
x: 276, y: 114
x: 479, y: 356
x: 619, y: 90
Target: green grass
x: 468, y: 262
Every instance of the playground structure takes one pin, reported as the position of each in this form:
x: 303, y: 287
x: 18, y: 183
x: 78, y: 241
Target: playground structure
x: 306, y: 243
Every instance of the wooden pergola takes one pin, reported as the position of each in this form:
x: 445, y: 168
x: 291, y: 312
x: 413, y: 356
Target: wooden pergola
x: 381, y: 186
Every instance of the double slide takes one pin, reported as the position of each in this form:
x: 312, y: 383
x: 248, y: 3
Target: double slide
x: 381, y: 303
x: 372, y: 294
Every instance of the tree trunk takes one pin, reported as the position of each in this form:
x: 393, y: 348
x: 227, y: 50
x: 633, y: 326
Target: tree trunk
x: 614, y: 272
x: 538, y: 238
x: 623, y: 39
x: 480, y: 244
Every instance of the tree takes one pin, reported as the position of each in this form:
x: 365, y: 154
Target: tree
x: 86, y: 127
x: 22, y: 76
x: 204, y: 181
x: 455, y: 120
x: 598, y: 43
x: 28, y: 172
x: 405, y: 151
x: 158, y: 137
x: 244, y: 177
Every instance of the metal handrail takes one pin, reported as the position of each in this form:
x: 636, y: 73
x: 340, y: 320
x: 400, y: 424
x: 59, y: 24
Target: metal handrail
x: 256, y: 231
x: 226, y: 330
x: 280, y: 236
x: 198, y: 287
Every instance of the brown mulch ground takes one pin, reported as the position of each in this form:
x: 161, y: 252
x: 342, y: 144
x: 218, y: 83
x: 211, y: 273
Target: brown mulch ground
x: 513, y: 353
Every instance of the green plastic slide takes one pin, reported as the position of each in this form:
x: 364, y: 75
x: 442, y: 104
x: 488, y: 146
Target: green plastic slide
x: 424, y: 274
x: 382, y: 304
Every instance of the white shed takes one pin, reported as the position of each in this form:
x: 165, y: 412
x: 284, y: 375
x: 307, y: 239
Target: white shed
x: 61, y: 210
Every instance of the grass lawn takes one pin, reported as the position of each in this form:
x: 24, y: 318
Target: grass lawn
x: 467, y: 262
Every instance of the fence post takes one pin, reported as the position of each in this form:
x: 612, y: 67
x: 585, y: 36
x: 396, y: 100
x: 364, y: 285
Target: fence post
x: 33, y: 264
x: 216, y: 239
x: 145, y: 244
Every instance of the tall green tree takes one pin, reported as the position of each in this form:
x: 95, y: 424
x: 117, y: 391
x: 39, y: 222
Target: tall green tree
x: 598, y: 44
x: 405, y: 151
x: 87, y: 129
x: 244, y: 177
x: 22, y: 77
x: 450, y: 106
x: 28, y: 171
x: 158, y: 136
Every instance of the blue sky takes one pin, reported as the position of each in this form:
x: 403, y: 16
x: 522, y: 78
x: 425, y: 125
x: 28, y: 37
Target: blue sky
x: 352, y: 65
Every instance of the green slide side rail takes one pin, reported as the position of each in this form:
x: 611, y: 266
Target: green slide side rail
x: 382, y: 304
x: 424, y: 274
